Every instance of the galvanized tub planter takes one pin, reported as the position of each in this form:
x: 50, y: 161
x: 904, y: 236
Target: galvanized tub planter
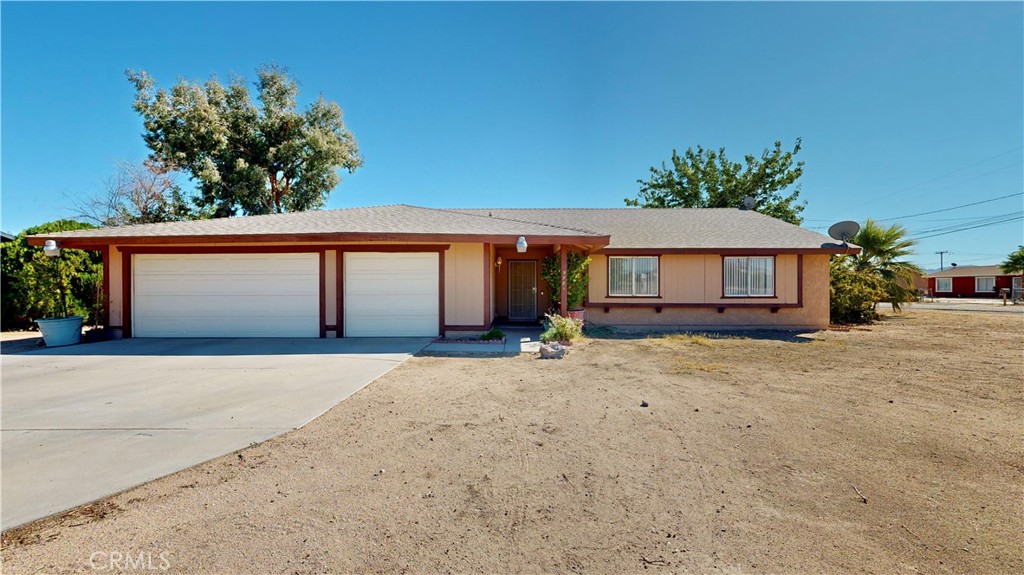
x: 62, y: 331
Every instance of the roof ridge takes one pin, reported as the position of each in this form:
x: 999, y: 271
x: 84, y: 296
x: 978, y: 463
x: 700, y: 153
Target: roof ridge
x: 491, y: 216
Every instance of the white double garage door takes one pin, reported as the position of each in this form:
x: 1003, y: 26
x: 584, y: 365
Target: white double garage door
x: 279, y: 295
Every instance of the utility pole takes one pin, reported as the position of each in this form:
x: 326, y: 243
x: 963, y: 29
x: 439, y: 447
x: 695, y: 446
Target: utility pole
x: 942, y: 253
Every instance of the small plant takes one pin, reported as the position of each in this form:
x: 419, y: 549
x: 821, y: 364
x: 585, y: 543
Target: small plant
x: 494, y: 333
x: 558, y: 328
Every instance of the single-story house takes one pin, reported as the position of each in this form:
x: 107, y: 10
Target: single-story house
x: 403, y: 270
x: 972, y: 281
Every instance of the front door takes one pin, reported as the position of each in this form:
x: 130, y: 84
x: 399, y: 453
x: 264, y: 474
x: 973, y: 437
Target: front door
x: 522, y: 289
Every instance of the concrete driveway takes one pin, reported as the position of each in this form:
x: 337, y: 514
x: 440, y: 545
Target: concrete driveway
x: 87, y: 421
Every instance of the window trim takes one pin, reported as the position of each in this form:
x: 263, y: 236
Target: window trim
x: 937, y: 289
x: 775, y: 277
x: 608, y: 276
x: 976, y: 278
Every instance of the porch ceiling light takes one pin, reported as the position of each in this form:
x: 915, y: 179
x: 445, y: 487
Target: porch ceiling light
x: 51, y: 248
x: 521, y: 245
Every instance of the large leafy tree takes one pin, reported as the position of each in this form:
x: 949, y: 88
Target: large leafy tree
x: 884, y: 250
x: 708, y: 179
x: 36, y: 286
x: 1014, y: 263
x: 255, y: 157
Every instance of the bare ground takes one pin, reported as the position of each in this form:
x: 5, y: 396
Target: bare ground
x: 752, y: 456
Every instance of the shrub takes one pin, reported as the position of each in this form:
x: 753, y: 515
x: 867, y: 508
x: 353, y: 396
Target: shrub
x: 576, y: 277
x: 494, y: 333
x: 852, y: 293
x: 558, y: 328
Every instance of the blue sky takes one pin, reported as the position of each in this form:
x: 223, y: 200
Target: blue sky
x: 903, y: 108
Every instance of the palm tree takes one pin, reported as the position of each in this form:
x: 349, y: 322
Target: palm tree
x: 1014, y: 263
x: 881, y: 250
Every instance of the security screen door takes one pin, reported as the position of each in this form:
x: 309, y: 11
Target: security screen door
x: 522, y: 290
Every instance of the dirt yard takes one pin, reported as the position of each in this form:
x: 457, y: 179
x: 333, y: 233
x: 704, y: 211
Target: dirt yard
x: 891, y: 449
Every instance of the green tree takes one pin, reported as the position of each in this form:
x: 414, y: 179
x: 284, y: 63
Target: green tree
x: 576, y: 277
x: 1014, y: 263
x: 852, y: 293
x: 260, y: 159
x: 882, y: 250
x: 36, y: 286
x: 707, y: 179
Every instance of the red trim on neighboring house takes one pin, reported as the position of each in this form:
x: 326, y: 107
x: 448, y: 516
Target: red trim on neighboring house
x: 487, y: 283
x: 339, y: 292
x: 106, y: 286
x: 126, y: 294
x: 323, y: 293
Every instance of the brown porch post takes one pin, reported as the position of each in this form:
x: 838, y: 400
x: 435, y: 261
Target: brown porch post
x: 564, y: 292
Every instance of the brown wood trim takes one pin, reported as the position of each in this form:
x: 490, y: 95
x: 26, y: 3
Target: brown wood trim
x: 219, y: 249
x: 563, y: 303
x: 608, y: 276
x: 800, y: 280
x: 392, y: 248
x: 126, y: 294
x: 339, y: 289
x: 82, y: 242
x: 488, y: 266
x: 725, y: 251
x: 105, y: 313
x: 440, y: 294
x: 775, y: 277
x: 608, y: 305
x: 323, y: 293
x: 331, y: 327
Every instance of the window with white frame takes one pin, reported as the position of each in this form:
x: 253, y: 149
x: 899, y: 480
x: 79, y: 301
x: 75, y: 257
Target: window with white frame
x: 633, y: 276
x: 943, y: 284
x: 749, y: 276
x: 982, y: 284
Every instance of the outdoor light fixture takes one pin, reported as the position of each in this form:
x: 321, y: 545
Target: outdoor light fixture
x: 521, y: 245
x: 497, y: 263
x: 51, y: 249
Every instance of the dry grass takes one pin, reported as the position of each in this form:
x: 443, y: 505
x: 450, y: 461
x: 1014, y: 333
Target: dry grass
x: 514, y: 464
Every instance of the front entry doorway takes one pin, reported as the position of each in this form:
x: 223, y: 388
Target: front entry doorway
x: 522, y: 290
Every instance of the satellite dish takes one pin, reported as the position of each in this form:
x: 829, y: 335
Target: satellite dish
x: 749, y: 202
x: 844, y: 231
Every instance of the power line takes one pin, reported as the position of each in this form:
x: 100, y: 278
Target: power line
x: 1006, y: 221
x: 970, y: 223
x: 953, y: 208
x: 947, y: 174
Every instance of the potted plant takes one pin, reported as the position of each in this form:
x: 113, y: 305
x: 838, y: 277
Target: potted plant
x: 52, y: 290
x: 576, y: 280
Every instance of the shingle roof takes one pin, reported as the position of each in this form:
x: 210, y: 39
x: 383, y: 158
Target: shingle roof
x: 680, y: 228
x: 391, y: 220
x: 628, y: 228
x: 968, y: 271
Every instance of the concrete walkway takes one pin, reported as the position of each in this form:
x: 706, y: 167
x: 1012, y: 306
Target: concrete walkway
x: 86, y: 421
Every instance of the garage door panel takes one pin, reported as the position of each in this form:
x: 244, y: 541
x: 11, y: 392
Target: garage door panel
x: 226, y: 295
x: 389, y: 294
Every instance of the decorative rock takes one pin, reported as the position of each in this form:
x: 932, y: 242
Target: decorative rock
x: 553, y: 351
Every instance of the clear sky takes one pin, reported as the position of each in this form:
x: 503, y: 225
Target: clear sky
x: 903, y: 108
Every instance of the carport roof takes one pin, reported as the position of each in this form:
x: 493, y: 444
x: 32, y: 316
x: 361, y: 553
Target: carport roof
x: 613, y: 229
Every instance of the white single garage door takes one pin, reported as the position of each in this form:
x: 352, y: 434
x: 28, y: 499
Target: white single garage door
x: 389, y: 295
x: 226, y: 295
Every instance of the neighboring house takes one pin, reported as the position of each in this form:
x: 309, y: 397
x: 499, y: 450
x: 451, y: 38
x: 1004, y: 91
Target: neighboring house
x: 6, y: 237
x: 409, y: 271
x: 972, y: 281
